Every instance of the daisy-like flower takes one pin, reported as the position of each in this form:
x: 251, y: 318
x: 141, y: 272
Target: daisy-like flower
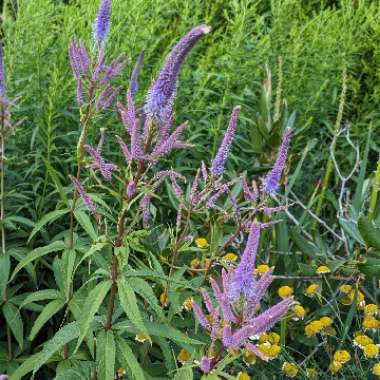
x: 229, y: 257
x: 323, y: 269
x: 369, y: 323
x: 370, y: 309
x: 201, y: 242
x: 243, y: 376
x: 249, y: 357
x: 362, y: 340
x: 165, y: 302
x: 313, y: 328
x: 311, y: 290
x: 342, y: 356
x: 183, y: 356
x: 285, y: 291
x: 346, y: 288
x: 371, y: 351
x: 376, y: 369
x: 290, y: 369
x: 271, y: 337
x: 194, y: 263
x: 335, y: 367
x: 312, y: 373
x: 299, y: 311
x: 261, y: 269
x: 141, y: 338
x: 188, y: 304
x: 326, y: 321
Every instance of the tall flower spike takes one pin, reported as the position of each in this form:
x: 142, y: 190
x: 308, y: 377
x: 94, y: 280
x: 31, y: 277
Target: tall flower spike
x: 160, y: 99
x: 83, y: 194
x: 105, y: 168
x: 217, y: 165
x: 272, y: 180
x: 134, y: 84
x: 243, y: 282
x: 102, y: 22
x: 3, y: 88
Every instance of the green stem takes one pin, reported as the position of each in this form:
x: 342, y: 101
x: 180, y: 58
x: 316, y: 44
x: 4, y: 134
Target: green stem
x: 375, y: 190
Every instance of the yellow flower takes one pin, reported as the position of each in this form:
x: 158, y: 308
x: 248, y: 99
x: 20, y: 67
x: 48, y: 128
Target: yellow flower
x: 264, y: 338
x: 369, y: 322
x: 273, y: 351
x: 299, y: 311
x: 140, y: 338
x: 342, y: 356
x: 206, y: 263
x: 312, y: 373
x: 329, y: 330
x: 188, y: 304
x: 183, y: 356
x: 274, y: 338
x: 250, y: 358
x: 376, y: 369
x: 371, y: 351
x: 335, y: 367
x: 194, y: 263
x: 326, y: 321
x: 285, y: 291
x: 290, y: 369
x: 349, y: 298
x: 264, y: 348
x: 201, y: 242
x: 261, y: 269
x: 311, y: 290
x: 370, y: 309
x: 313, y: 328
x: 243, y: 376
x: 323, y: 269
x: 229, y: 257
x: 345, y: 288
x: 165, y: 302
x: 362, y: 340
x: 121, y: 372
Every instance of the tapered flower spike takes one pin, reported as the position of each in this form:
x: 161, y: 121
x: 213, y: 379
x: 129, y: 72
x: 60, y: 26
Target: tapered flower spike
x: 83, y: 194
x: 206, y: 364
x: 203, y: 321
x: 102, y: 22
x: 161, y: 95
x: 207, y: 301
x: 3, y: 87
x: 217, y: 165
x: 124, y: 149
x: 134, y: 84
x: 223, y: 301
x: 105, y: 168
x: 243, y: 282
x: 272, y: 180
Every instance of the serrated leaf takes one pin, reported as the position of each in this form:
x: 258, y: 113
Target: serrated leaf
x: 48, y: 311
x: 128, y: 359
x: 128, y: 302
x: 41, y: 295
x: 5, y: 267
x: 93, y: 249
x: 92, y: 304
x: 14, y: 321
x: 37, y: 253
x: 352, y: 230
x: 48, y: 218
x: 84, y: 220
x: 105, y: 355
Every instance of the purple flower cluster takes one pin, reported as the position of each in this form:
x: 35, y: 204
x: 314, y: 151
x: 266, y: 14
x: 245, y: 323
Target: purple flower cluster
x: 102, y: 22
x: 3, y: 87
x: 272, y: 180
x: 159, y: 103
x: 84, y: 195
x: 233, y: 319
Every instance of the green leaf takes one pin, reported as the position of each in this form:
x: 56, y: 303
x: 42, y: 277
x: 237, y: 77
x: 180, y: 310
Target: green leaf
x: 26, y: 367
x: 91, y: 306
x: 41, y: 295
x: 349, y: 319
x: 106, y: 355
x: 37, y: 253
x: 128, y: 301
x: 369, y: 233
x: 46, y: 314
x: 371, y: 268
x: 128, y: 359
x: 351, y: 229
x: 93, y: 249
x: 303, y: 244
x: 184, y: 373
x: 54, y: 175
x: 14, y: 321
x: 48, y: 218
x: 84, y: 220
x: 5, y: 267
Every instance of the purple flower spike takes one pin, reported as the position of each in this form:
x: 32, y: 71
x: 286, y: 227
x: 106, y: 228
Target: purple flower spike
x: 243, y: 282
x: 106, y: 169
x: 3, y: 377
x: 131, y: 188
x: 217, y: 165
x: 3, y: 88
x: 272, y: 180
x: 124, y: 149
x: 207, y: 301
x: 134, y: 84
x: 206, y: 364
x: 102, y: 22
x: 83, y: 194
x: 161, y: 95
x: 203, y: 321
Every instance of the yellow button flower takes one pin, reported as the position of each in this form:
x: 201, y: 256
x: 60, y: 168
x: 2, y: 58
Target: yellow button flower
x: 335, y: 367
x: 264, y: 348
x: 206, y: 263
x: 261, y: 269
x: 274, y: 338
x: 342, y: 356
x: 362, y: 340
x: 229, y: 257
x: 376, y: 369
x: 369, y: 322
x: 274, y: 351
x: 329, y: 330
x: 165, y: 302
x: 243, y: 376
x: 313, y: 328
x: 299, y: 311
x: 312, y: 373
x: 311, y: 290
x: 371, y: 351
x: 194, y: 263
x: 264, y: 338
x: 140, y: 338
x: 250, y: 358
x: 370, y: 309
x: 183, y: 356
x: 345, y: 288
x: 323, y: 269
x: 201, y: 242
x: 326, y: 321
x: 285, y: 291
x: 290, y: 369
x: 188, y: 304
